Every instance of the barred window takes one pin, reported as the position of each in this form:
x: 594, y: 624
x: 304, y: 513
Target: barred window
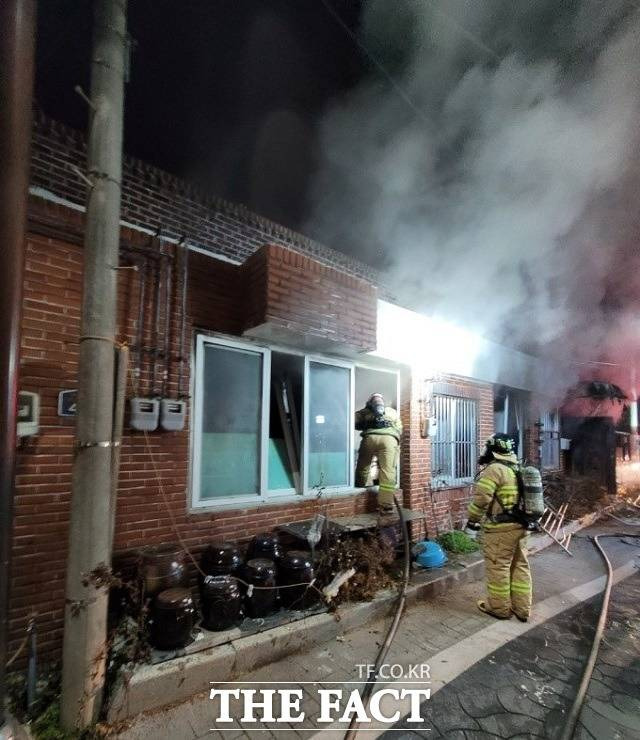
x: 550, y: 440
x: 454, y: 448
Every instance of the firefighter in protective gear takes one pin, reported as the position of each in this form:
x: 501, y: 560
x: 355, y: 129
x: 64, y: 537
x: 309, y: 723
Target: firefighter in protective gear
x: 495, y: 493
x: 381, y: 429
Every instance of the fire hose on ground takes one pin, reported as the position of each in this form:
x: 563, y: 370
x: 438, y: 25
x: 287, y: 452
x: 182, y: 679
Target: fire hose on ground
x: 393, y: 627
x: 576, y: 707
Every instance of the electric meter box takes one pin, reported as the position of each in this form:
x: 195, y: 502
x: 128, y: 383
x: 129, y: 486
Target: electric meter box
x: 432, y: 426
x: 28, y: 414
x: 144, y: 414
x: 172, y: 414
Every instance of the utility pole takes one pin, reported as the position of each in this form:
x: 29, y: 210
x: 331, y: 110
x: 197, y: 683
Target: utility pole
x: 17, y: 43
x: 85, y: 625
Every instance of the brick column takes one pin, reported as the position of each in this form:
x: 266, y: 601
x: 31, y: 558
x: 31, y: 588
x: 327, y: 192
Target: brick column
x: 415, y: 465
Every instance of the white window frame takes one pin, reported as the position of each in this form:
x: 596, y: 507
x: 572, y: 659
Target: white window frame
x: 264, y: 496
x: 197, y: 411
x: 441, y: 482
x: 306, y: 426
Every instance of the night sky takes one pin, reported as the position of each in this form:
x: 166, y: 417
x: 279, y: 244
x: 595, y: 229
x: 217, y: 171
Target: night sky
x: 228, y: 93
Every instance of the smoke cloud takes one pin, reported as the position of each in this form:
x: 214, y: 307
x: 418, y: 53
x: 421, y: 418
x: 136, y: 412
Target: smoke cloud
x: 503, y: 193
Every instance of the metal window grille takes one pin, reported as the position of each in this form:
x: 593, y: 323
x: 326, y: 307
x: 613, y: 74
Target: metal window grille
x: 550, y: 444
x: 454, y: 448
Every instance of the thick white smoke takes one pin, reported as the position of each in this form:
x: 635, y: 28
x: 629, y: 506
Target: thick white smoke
x: 507, y: 199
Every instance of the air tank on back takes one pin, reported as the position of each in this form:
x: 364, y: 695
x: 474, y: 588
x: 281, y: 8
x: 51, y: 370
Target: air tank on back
x: 533, y: 493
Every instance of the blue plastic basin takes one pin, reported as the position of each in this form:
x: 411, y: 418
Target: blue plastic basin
x: 430, y: 555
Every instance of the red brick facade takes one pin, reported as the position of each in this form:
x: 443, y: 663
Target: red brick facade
x: 153, y: 198
x: 223, y: 297
x: 153, y: 484
x: 443, y: 507
x: 153, y: 479
x: 293, y: 292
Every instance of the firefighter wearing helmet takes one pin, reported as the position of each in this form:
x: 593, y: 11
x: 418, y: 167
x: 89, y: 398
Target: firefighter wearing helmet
x: 381, y: 429
x: 495, y: 499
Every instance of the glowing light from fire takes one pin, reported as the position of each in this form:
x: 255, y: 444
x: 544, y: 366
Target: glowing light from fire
x: 429, y: 345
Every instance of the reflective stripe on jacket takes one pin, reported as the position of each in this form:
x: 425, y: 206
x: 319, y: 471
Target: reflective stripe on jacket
x: 497, y: 484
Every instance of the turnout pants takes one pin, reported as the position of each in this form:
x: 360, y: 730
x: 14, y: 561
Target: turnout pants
x: 507, y: 570
x: 385, y: 448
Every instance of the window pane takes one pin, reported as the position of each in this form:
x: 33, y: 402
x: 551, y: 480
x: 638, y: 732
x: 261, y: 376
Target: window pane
x: 366, y: 382
x: 441, y: 466
x: 329, y: 424
x: 231, y: 422
x: 287, y: 378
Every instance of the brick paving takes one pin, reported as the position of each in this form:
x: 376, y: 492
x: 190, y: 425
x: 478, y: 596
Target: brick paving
x: 524, y: 689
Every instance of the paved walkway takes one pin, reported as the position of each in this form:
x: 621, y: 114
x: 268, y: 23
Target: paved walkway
x: 523, y: 689
x: 427, y: 629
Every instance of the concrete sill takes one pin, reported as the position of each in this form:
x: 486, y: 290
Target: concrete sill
x: 261, y: 502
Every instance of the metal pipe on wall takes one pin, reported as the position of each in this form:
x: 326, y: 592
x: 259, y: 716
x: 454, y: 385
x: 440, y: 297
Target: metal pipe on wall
x: 142, y: 257
x: 167, y: 323
x: 142, y: 277
x: 32, y: 668
x: 155, y: 349
x: 183, y: 318
x: 17, y: 46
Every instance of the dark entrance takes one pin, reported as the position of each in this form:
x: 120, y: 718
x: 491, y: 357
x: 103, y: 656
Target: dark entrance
x: 593, y: 449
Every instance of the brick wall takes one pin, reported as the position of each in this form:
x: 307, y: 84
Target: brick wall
x: 443, y: 507
x: 153, y: 482
x: 415, y: 455
x: 152, y: 496
x: 288, y: 290
x: 152, y: 198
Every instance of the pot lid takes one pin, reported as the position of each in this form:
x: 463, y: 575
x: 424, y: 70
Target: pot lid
x: 153, y: 551
x: 267, y: 539
x: 173, y: 597
x: 298, y: 559
x: 221, y: 583
x: 261, y: 564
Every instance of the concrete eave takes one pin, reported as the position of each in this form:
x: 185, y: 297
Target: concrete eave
x: 433, y: 346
